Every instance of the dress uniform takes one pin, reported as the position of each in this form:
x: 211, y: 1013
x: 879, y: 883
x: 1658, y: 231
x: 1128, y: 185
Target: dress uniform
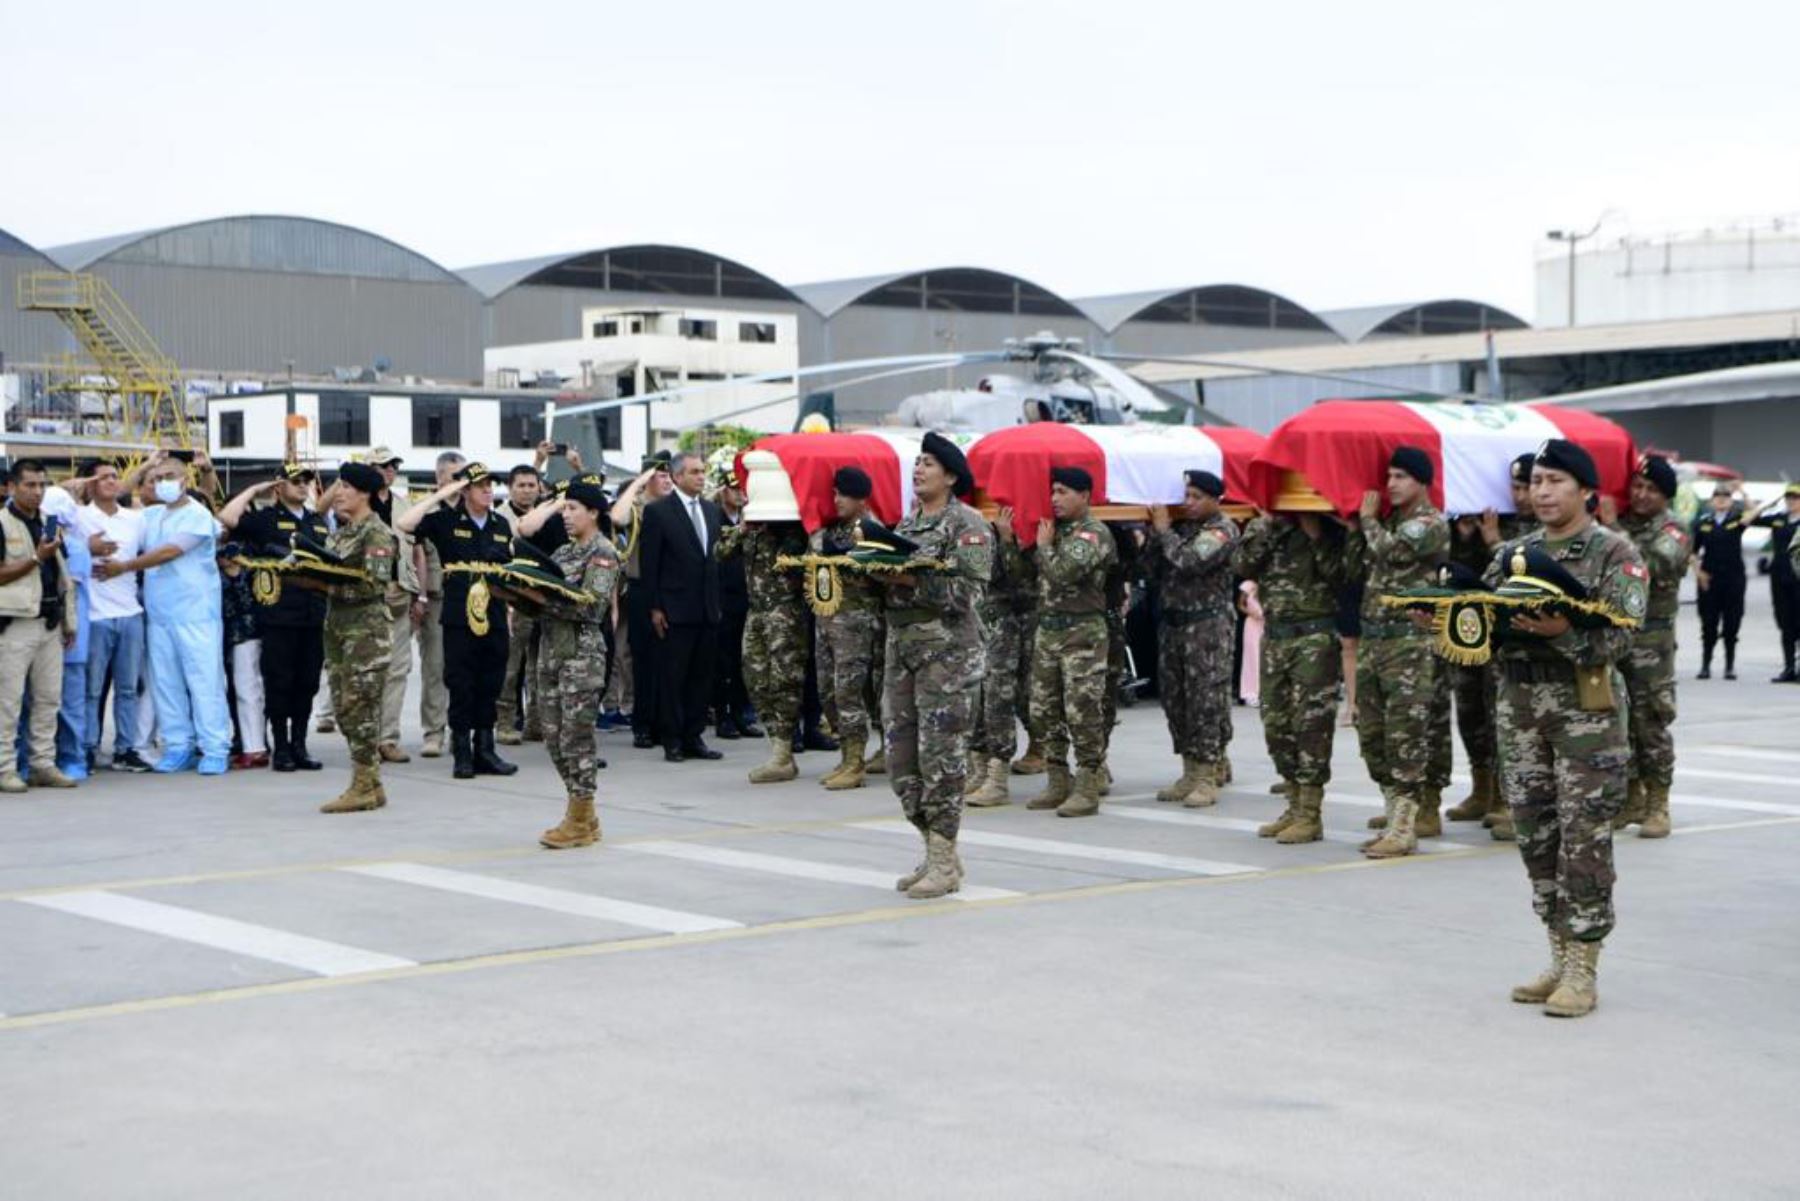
x: 1784, y: 584
x: 1719, y: 546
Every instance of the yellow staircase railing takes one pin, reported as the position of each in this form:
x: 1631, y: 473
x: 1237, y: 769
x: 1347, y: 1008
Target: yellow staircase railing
x: 153, y: 403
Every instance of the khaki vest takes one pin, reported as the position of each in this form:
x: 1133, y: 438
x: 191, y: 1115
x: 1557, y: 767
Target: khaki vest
x: 22, y: 597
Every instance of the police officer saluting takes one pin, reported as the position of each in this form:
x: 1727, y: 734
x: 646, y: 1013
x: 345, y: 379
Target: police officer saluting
x: 1719, y: 544
x: 292, y: 627
x: 459, y: 519
x: 1784, y: 585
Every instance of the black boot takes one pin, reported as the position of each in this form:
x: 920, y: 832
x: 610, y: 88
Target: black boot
x: 462, y: 755
x: 302, y: 757
x: 1705, y: 662
x: 728, y: 727
x: 1787, y: 675
x: 1731, y: 660
x: 487, y: 760
x: 283, y: 757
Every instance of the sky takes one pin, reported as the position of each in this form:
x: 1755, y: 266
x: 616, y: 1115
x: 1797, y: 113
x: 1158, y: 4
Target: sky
x: 1340, y: 154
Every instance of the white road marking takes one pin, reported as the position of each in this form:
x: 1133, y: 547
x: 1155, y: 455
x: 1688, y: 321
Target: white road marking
x: 1244, y: 825
x: 221, y: 933
x: 803, y: 869
x: 1720, y: 802
x: 560, y: 900
x: 1736, y: 777
x: 1079, y: 850
x: 1723, y: 751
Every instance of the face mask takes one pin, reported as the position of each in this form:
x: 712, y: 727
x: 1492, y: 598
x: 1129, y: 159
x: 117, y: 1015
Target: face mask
x: 168, y: 491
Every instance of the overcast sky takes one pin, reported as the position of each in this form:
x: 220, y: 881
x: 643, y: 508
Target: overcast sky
x: 1341, y: 154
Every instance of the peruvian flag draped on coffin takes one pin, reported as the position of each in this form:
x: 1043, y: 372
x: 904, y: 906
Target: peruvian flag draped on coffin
x: 1342, y: 447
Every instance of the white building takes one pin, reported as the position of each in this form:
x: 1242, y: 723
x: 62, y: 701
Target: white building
x: 637, y: 350
x: 1744, y: 267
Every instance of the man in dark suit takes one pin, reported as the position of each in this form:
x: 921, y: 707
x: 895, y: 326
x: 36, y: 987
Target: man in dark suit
x: 677, y: 567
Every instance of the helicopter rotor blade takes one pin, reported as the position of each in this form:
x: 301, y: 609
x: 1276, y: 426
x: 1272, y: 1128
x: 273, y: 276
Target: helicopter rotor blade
x: 915, y: 369
x: 1386, y: 388
x: 1142, y: 399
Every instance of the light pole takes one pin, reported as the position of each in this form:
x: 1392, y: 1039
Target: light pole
x: 1574, y: 239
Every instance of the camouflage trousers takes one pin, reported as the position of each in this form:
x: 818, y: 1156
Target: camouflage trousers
x: 1115, y: 676
x: 1028, y: 628
x: 1299, y: 683
x: 1193, y: 676
x: 521, y: 673
x: 929, y: 694
x: 1069, y: 682
x: 357, y: 644
x: 775, y: 665
x: 1473, y: 688
x: 851, y: 654
x: 1563, y: 774
x: 997, y: 707
x: 1402, y: 711
x: 571, y: 671
x: 1649, y: 673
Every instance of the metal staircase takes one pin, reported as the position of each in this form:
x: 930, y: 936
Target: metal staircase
x: 143, y: 392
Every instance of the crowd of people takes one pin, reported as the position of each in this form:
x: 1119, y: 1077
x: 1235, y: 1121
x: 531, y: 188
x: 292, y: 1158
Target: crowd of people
x: 555, y: 610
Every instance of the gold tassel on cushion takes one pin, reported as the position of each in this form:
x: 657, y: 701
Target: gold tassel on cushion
x: 265, y: 586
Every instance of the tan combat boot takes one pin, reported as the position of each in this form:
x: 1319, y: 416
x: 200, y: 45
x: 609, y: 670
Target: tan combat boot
x: 13, y: 782
x: 780, y: 765
x: 1206, y: 788
x: 390, y: 752
x: 579, y: 827
x: 993, y: 792
x: 1224, y: 773
x: 1480, y: 800
x: 1288, y: 817
x: 850, y: 775
x: 48, y: 776
x: 941, y: 877
x: 364, y: 793
x: 1309, y: 825
x: 1084, y: 798
x: 1282, y: 788
x: 1539, y: 990
x: 1656, y: 812
x: 1635, y: 808
x: 1579, y: 991
x: 877, y: 764
x: 1105, y: 780
x: 1031, y: 763
x: 918, y: 872
x: 1056, y: 788
x: 1380, y: 820
x: 1429, y: 823
x: 434, y: 745
x: 1399, y: 838
x: 974, y: 772
x: 506, y: 736
x: 1500, y: 823
x: 1190, y: 776
x: 838, y: 770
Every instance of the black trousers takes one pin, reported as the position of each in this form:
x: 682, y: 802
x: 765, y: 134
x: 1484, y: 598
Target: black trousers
x: 474, y: 673
x: 1721, y: 604
x: 1785, y: 592
x: 292, y: 658
x: 730, y: 696
x: 645, y: 647
x: 684, y: 658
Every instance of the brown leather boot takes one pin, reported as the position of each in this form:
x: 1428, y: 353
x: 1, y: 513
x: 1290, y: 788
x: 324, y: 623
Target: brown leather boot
x: 1031, y: 763
x: 1636, y: 807
x: 850, y: 775
x: 1429, y: 823
x: 1084, y: 798
x: 1205, y: 792
x: 993, y: 792
x: 1309, y: 826
x: 1656, y: 822
x: 1190, y: 775
x: 579, y: 827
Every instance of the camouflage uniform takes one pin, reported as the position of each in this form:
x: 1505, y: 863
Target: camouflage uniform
x: 523, y: 655
x: 775, y: 631
x: 1070, y: 663
x: 1649, y: 669
x: 571, y: 660
x: 1297, y: 580
x: 1004, y: 688
x: 1563, y: 768
x: 1192, y: 562
x: 1473, y: 687
x: 357, y: 633
x: 934, y: 665
x: 850, y: 650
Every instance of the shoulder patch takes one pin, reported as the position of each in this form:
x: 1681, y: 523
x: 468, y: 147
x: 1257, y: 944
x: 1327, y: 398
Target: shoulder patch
x: 1636, y: 571
x: 1413, y: 528
x: 1089, y: 535
x: 974, y: 539
x: 379, y: 552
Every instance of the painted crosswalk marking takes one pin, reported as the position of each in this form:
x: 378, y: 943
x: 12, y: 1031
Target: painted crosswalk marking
x: 1723, y: 751
x: 803, y: 869
x: 559, y: 900
x: 221, y: 933
x: 1736, y: 777
x: 1244, y: 825
x: 1079, y: 850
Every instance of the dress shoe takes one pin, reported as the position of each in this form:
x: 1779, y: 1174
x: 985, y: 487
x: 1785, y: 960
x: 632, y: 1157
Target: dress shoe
x: 700, y: 750
x: 283, y: 760
x: 728, y: 729
x: 644, y: 742
x: 672, y: 754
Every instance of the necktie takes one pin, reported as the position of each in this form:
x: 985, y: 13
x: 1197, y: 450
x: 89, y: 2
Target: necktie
x: 699, y: 523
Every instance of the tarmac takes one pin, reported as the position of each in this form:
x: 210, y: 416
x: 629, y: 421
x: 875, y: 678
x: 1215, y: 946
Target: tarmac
x: 212, y: 990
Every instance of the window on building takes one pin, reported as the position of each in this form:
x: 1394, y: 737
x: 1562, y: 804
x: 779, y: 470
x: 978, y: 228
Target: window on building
x: 756, y: 331
x: 612, y: 428
x: 637, y: 327
x: 606, y: 329
x: 231, y: 430
x: 343, y: 419
x: 704, y: 331
x: 521, y: 424
x: 436, y: 421
x: 705, y: 377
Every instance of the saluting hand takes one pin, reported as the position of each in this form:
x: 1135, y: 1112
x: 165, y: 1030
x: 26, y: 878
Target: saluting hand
x: 1003, y: 524
x: 1371, y: 505
x: 1046, y: 532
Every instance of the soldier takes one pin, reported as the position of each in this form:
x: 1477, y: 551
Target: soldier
x: 1297, y: 564
x: 1004, y: 606
x: 357, y: 633
x: 1192, y: 560
x: 1031, y: 763
x: 1069, y: 674
x: 1649, y: 669
x: 774, y: 636
x: 1564, y: 745
x: 1719, y: 548
x: 1784, y: 583
x: 415, y: 604
x: 851, y: 637
x: 571, y: 665
x: 1398, y: 683
x: 524, y: 487
x: 475, y: 638
x: 934, y: 660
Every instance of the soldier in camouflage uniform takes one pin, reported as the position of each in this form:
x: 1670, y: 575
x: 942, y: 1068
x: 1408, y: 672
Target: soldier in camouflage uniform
x: 774, y: 636
x: 1399, y: 684
x: 1191, y: 560
x: 357, y: 632
x: 850, y: 651
x: 935, y: 661
x: 1003, y: 610
x: 1070, y: 671
x: 1297, y: 564
x: 1649, y: 670
x: 571, y: 662
x: 1564, y: 744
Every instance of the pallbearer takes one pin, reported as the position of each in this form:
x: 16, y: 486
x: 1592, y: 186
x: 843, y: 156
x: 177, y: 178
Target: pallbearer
x: 852, y: 634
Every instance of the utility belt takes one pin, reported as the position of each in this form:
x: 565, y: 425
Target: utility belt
x: 1657, y: 623
x: 1592, y: 683
x: 1538, y: 671
x: 1376, y: 630
x: 1178, y: 618
x: 911, y: 617
x: 1298, y: 629
x: 1068, y: 621
x: 339, y: 602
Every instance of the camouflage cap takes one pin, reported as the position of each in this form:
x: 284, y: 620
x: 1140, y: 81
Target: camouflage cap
x: 381, y: 456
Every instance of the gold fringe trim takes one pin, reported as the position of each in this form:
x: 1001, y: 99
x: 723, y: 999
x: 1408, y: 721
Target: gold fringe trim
x: 507, y: 576
x: 1527, y: 603
x: 265, y: 584
x: 806, y: 562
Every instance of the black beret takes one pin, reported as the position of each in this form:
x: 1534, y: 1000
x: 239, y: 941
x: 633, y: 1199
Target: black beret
x: 1658, y: 471
x: 1459, y: 576
x: 584, y: 493
x: 1413, y: 462
x: 362, y: 477
x: 950, y: 457
x: 1075, y: 478
x: 1521, y: 467
x: 1560, y: 454
x: 853, y: 482
x: 1207, y: 482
